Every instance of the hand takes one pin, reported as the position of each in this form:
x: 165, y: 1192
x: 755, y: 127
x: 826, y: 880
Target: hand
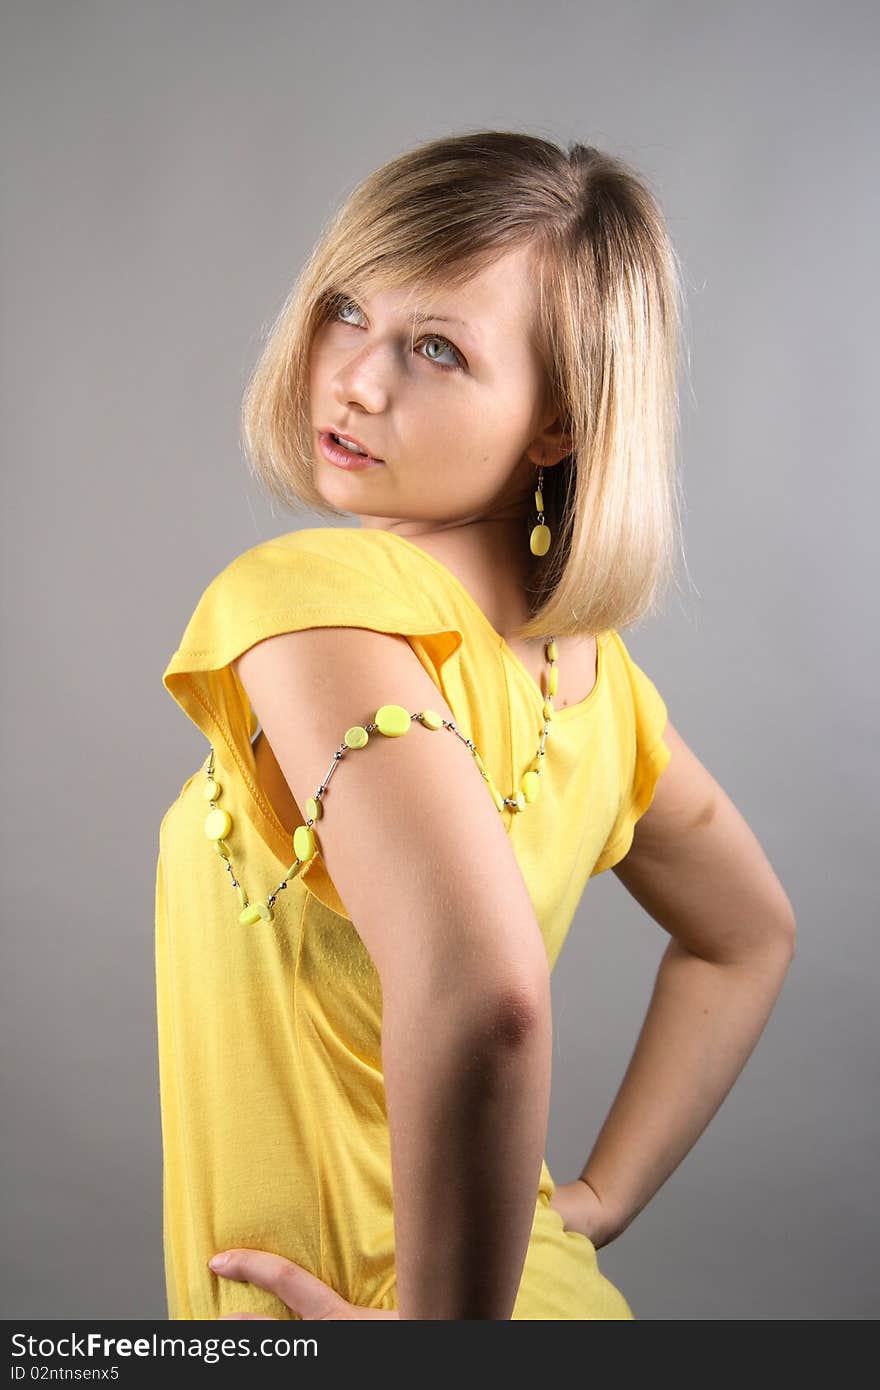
x: 582, y: 1209
x: 304, y: 1293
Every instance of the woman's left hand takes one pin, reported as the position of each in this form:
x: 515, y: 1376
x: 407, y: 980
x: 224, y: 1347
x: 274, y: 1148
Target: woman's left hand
x: 304, y: 1293
x: 582, y: 1210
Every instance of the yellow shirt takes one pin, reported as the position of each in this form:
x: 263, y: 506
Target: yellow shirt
x: 273, y: 1112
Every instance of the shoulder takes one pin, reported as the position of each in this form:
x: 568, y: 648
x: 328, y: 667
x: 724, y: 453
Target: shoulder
x: 364, y: 548
x: 635, y: 687
x: 312, y: 553
x: 341, y: 568
x: 317, y: 576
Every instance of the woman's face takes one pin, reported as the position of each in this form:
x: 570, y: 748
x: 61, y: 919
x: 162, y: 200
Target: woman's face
x: 450, y: 406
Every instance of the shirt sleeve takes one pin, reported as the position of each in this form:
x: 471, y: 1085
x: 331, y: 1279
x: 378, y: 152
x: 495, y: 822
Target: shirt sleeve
x: 318, y: 577
x: 645, y: 754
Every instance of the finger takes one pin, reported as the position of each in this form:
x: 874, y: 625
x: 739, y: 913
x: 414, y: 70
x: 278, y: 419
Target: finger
x: 303, y: 1292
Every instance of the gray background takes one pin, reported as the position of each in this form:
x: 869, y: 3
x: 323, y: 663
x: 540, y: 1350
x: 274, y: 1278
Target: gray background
x: 166, y: 169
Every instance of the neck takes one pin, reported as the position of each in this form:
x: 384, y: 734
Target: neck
x: 490, y: 556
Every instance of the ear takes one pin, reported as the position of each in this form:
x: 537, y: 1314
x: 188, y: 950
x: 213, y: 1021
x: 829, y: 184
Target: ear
x: 553, y: 444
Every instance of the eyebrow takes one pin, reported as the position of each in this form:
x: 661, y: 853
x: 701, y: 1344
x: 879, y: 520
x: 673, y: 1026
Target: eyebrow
x: 419, y: 316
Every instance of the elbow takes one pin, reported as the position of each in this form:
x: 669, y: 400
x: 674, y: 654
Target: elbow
x: 780, y: 943
x: 520, y: 1014
x: 791, y: 935
x: 788, y: 925
x: 505, y: 1002
x: 779, y: 927
x: 778, y: 939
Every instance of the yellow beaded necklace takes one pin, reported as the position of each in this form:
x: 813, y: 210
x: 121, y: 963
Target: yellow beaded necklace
x: 392, y: 721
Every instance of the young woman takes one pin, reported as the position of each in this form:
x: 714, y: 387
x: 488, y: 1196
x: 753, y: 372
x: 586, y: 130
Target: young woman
x: 358, y: 910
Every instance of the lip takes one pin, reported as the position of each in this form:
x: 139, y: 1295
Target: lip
x: 353, y: 463
x: 328, y: 429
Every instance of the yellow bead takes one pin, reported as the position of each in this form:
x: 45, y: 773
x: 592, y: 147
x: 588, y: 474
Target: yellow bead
x: 392, y: 720
x: 242, y: 896
x: 211, y: 789
x: 520, y: 801
x: 548, y: 708
x: 304, y: 843
x: 222, y: 848
x: 356, y: 737
x: 265, y: 912
x: 552, y: 652
x: 539, y: 540
x: 431, y: 719
x: 553, y: 680
x: 496, y: 795
x: 314, y: 810
x: 249, y: 916
x: 479, y: 761
x: 539, y: 500
x: 217, y: 824
x: 293, y: 871
x: 531, y: 785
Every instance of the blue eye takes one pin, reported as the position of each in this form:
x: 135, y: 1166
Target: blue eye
x: 457, y: 365
x: 433, y: 338
x: 343, y: 304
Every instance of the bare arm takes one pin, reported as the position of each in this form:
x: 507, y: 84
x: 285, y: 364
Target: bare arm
x: 414, y: 843
x: 468, y: 1121
x: 696, y: 867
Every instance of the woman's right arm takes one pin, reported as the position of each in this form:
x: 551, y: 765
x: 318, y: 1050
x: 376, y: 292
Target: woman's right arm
x: 419, y: 854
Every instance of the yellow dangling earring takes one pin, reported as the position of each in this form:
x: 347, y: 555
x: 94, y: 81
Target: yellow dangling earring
x: 539, y: 540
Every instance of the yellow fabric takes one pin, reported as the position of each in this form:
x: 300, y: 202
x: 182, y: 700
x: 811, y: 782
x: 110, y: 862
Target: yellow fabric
x: 273, y: 1113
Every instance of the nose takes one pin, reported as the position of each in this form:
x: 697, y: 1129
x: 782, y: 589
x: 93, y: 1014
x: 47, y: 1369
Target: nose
x: 365, y: 378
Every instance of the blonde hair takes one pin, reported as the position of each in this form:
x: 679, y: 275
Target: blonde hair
x: 607, y: 325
